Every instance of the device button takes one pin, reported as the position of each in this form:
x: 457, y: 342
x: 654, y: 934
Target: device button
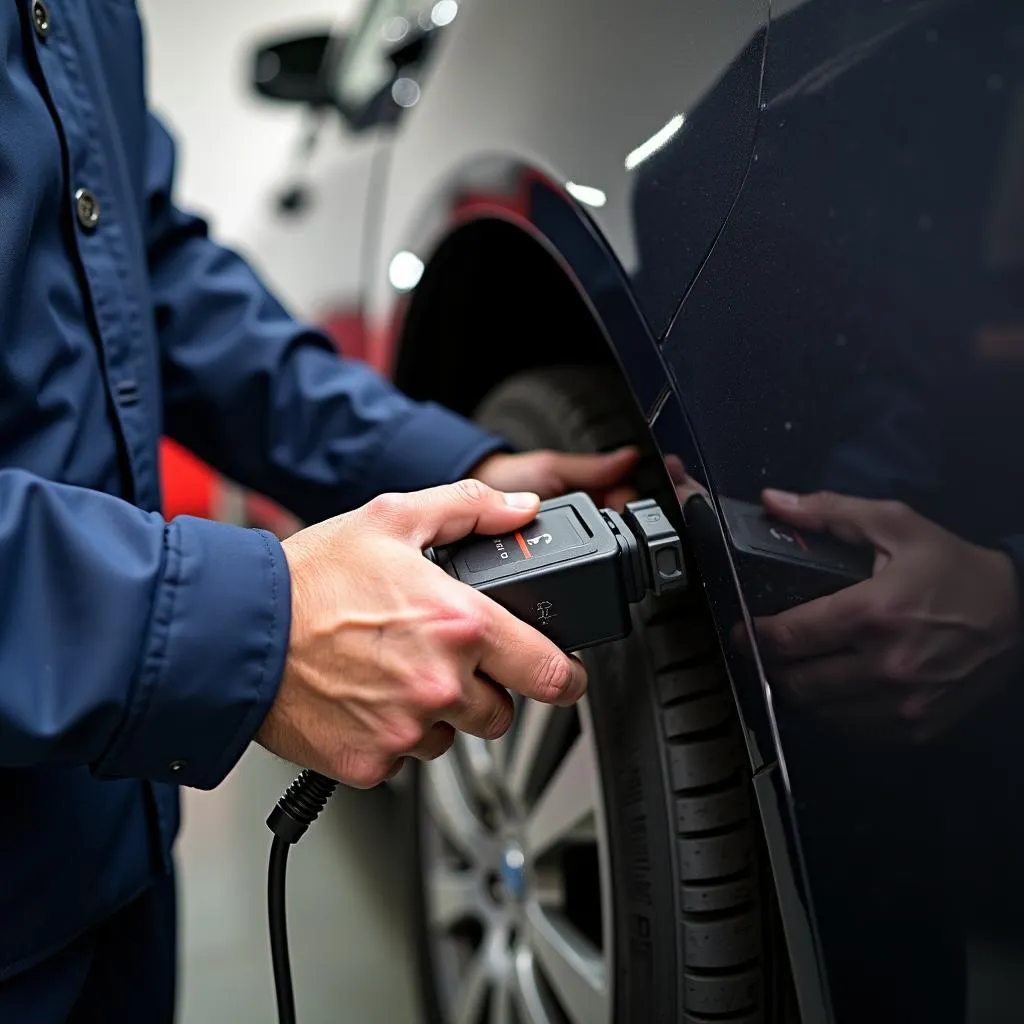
x: 553, y: 532
x: 769, y: 535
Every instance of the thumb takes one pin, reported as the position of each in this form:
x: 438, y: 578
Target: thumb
x: 589, y: 472
x: 854, y: 520
x: 441, y: 515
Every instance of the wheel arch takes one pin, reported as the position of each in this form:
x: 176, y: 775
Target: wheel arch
x: 516, y: 278
x: 514, y: 253
x: 472, y: 321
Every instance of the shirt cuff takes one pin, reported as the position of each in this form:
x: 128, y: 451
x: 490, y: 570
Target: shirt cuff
x: 434, y: 446
x: 213, y: 659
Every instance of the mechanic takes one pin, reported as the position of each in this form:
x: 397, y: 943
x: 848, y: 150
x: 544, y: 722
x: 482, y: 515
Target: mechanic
x: 137, y: 655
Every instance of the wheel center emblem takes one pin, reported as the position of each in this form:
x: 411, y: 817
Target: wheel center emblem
x: 513, y: 872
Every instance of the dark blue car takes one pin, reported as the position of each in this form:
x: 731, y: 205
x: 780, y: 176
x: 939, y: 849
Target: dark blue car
x: 781, y: 247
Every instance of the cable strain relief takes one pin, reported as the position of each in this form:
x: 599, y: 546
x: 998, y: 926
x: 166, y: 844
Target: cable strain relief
x: 300, y: 806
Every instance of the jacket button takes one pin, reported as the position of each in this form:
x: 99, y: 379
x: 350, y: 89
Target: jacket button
x: 41, y: 18
x: 176, y: 766
x: 88, y: 209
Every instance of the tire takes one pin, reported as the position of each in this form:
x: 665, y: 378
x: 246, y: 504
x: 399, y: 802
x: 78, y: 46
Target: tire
x: 669, y: 896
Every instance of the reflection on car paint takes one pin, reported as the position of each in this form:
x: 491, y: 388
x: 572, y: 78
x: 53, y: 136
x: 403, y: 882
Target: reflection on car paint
x: 856, y: 330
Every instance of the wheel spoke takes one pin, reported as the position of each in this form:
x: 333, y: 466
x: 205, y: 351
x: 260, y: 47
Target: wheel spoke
x: 502, y: 1002
x: 472, y: 995
x: 532, y: 727
x: 532, y: 1002
x: 451, y: 809
x: 454, y: 895
x: 477, y: 758
x: 572, y: 965
x: 569, y: 799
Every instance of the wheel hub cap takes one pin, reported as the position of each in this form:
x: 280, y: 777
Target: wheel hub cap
x: 513, y: 872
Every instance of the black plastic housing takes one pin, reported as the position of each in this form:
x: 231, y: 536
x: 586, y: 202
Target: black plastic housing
x: 572, y: 572
x: 784, y: 566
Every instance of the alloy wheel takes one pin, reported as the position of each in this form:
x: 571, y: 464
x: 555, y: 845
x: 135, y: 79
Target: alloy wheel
x: 516, y: 874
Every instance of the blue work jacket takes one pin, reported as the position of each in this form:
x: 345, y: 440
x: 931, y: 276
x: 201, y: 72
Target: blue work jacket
x: 138, y: 654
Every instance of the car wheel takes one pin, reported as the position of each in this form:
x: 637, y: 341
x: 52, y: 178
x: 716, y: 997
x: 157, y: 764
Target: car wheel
x: 599, y: 864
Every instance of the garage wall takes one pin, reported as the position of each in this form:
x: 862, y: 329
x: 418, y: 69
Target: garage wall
x: 231, y: 146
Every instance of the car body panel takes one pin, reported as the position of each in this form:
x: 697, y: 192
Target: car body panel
x: 854, y: 330
x: 816, y: 281
x: 579, y: 123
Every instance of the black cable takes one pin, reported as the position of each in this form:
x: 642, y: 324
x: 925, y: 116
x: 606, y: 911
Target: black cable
x: 300, y: 806
x: 279, y: 930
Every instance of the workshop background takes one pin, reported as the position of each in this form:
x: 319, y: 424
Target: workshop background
x: 350, y: 955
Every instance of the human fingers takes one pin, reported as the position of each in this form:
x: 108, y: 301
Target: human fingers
x: 485, y: 709
x: 590, y: 472
x: 520, y: 658
x: 437, y: 741
x: 822, y: 626
x: 441, y: 515
x: 834, y: 680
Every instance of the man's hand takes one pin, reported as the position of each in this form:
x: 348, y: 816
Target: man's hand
x: 910, y: 651
x: 388, y: 655
x: 552, y: 474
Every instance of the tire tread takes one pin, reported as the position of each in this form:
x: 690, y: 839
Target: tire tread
x: 735, y: 954
x: 706, y: 764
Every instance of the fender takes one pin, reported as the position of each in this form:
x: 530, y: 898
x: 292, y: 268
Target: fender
x: 510, y: 192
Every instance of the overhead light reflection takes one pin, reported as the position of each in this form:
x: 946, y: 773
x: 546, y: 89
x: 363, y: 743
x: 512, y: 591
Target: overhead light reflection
x: 405, y: 271
x: 395, y: 29
x: 586, y: 194
x: 654, y: 143
x: 405, y: 92
x: 443, y: 12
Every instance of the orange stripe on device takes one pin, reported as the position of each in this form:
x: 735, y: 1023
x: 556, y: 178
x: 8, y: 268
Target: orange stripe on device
x: 524, y: 547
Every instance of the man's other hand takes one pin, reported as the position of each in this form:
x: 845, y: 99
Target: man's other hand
x: 909, y: 652
x: 388, y: 655
x: 551, y: 474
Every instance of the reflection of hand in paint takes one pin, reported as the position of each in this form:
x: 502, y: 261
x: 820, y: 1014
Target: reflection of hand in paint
x: 910, y: 651
x: 685, y: 486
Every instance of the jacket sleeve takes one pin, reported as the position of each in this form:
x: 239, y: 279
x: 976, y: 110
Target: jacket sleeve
x: 139, y: 647
x: 267, y: 400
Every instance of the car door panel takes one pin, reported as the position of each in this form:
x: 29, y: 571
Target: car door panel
x: 857, y: 328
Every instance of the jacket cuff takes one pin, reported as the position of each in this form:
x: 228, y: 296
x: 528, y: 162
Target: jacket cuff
x: 214, y: 654
x: 434, y: 446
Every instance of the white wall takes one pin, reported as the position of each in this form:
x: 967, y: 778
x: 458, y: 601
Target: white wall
x: 232, y: 147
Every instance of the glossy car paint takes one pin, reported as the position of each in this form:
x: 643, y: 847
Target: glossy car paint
x: 614, y: 77
x: 858, y: 327
x: 816, y: 281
